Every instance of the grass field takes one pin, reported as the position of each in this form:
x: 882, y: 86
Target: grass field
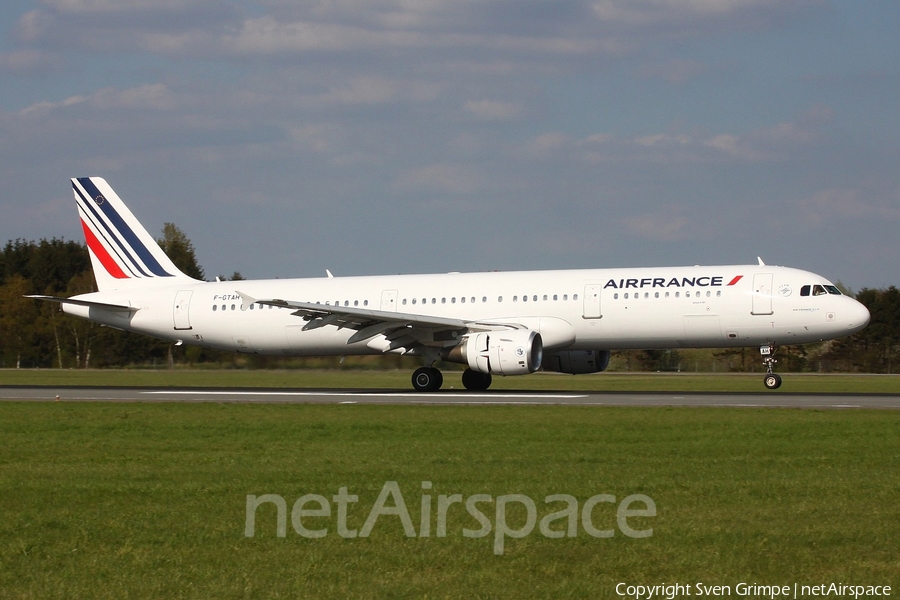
x: 149, y: 500
x: 400, y: 380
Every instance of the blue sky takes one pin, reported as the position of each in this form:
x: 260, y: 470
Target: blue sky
x: 386, y: 136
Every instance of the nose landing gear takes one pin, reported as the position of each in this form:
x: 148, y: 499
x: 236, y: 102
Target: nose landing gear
x: 772, y: 379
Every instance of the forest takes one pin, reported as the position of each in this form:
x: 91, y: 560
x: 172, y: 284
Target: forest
x: 36, y: 334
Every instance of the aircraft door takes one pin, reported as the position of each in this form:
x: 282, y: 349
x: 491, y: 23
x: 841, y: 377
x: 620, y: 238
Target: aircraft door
x: 389, y: 300
x: 762, y: 294
x: 181, y: 311
x: 592, y: 301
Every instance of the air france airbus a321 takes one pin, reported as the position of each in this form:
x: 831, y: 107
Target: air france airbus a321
x: 493, y: 323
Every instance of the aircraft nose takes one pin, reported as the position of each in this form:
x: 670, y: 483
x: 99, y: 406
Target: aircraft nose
x: 857, y: 316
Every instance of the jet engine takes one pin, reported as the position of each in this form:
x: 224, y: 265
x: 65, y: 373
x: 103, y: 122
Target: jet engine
x: 515, y: 352
x: 576, y: 362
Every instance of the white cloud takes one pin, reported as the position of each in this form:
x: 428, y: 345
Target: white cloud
x: 658, y: 226
x: 119, y: 6
x: 155, y: 96
x: 28, y: 61
x: 441, y: 178
x: 837, y: 205
x: 675, y: 71
x: 671, y: 13
x: 491, y: 110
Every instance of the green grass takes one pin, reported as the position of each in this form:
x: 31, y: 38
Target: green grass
x: 400, y: 380
x: 148, y: 500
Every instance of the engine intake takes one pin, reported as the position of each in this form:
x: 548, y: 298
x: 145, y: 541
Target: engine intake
x: 516, y: 352
x: 576, y: 362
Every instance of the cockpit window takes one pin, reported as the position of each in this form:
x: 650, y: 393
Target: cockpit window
x: 820, y: 290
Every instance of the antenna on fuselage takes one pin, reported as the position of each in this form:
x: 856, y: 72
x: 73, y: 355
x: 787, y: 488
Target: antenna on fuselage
x: 761, y: 263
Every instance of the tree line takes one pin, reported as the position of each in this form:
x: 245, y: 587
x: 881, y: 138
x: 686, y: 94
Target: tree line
x: 36, y: 334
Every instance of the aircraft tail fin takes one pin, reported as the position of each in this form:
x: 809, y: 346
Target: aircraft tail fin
x: 123, y: 253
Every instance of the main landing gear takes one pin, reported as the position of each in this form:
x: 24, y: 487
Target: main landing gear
x: 430, y: 379
x: 427, y: 379
x: 772, y: 379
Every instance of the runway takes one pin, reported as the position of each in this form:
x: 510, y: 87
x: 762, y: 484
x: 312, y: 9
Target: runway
x: 500, y: 397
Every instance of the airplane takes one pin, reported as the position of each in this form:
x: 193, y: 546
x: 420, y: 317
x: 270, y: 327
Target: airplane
x: 493, y: 323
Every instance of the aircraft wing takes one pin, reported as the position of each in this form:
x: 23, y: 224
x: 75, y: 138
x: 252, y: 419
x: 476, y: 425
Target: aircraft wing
x: 401, y: 330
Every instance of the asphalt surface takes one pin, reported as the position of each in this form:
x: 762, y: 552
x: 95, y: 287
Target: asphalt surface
x: 747, y: 400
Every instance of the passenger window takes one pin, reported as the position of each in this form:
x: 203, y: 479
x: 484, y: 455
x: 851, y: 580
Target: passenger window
x: 555, y: 297
x: 574, y: 296
x: 626, y: 295
x: 499, y: 298
x: 215, y: 307
x: 525, y: 298
x: 484, y: 298
x: 462, y: 300
x: 656, y: 294
x: 615, y: 296
x: 545, y: 297
x: 565, y: 296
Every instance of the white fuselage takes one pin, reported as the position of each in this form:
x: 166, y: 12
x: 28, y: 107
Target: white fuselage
x: 667, y: 307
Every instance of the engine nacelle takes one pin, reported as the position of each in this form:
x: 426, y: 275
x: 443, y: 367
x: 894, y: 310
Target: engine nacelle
x: 576, y: 362
x: 515, y: 352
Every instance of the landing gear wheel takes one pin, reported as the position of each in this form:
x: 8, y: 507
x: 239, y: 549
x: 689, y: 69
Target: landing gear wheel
x: 475, y: 381
x: 772, y: 381
x: 427, y: 379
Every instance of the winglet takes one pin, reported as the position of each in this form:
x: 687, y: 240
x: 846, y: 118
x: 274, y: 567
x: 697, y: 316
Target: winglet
x: 246, y: 300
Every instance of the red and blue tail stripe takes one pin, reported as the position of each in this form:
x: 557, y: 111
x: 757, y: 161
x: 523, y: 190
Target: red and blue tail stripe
x: 121, y: 249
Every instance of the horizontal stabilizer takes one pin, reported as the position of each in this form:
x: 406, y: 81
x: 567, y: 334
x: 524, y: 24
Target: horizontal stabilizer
x: 88, y: 303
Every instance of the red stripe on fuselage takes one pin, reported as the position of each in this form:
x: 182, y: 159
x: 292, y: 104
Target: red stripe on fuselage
x: 735, y: 280
x: 111, y: 266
